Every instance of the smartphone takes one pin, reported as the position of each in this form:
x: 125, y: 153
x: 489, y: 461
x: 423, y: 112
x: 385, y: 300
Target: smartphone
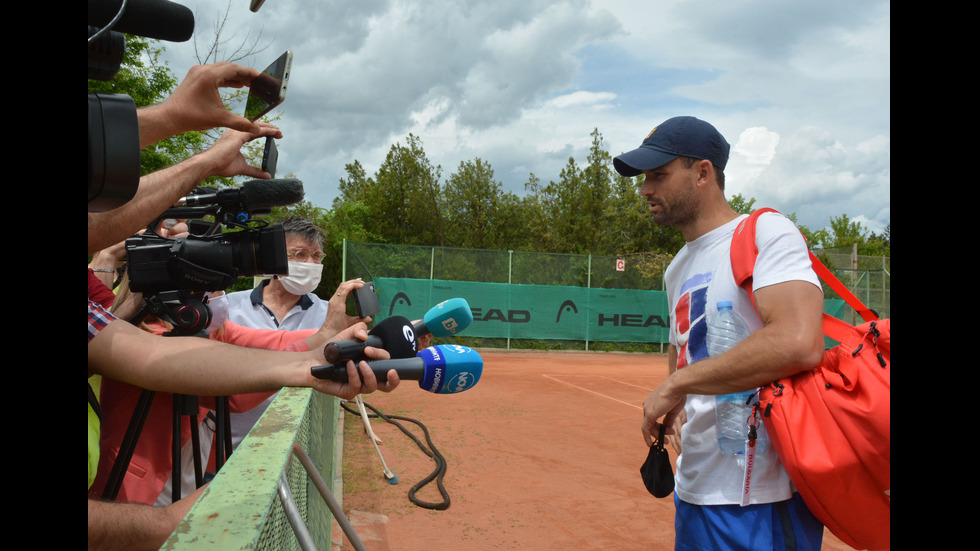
x: 270, y: 157
x: 366, y: 300
x: 269, y: 88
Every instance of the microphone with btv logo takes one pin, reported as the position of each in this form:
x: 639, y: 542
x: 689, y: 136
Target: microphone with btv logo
x: 445, y: 319
x: 251, y: 196
x: 442, y: 320
x: 440, y: 369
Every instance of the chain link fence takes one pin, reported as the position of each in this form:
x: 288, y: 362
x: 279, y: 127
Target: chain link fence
x: 642, y: 273
x: 868, y: 277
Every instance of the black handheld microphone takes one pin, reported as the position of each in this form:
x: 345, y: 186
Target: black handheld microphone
x: 445, y: 319
x: 159, y: 19
x: 393, y: 334
x: 253, y: 195
x: 440, y: 369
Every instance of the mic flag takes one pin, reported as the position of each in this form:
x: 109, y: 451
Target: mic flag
x: 449, y: 368
x: 446, y: 319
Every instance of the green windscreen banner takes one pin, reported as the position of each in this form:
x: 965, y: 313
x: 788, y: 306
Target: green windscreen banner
x: 535, y: 311
x: 502, y: 310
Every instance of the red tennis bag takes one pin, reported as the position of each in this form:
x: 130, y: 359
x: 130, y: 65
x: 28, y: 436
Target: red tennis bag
x: 831, y: 426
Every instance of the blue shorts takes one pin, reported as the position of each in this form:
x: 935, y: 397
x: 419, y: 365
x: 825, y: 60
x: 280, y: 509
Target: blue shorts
x: 784, y: 525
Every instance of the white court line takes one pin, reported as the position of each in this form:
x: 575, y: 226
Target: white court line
x: 623, y: 383
x: 592, y: 391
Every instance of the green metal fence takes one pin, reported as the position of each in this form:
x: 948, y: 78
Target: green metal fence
x: 243, y: 507
x: 546, y: 297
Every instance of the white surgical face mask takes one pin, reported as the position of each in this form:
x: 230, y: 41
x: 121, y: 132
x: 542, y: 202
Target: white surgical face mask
x: 303, y: 277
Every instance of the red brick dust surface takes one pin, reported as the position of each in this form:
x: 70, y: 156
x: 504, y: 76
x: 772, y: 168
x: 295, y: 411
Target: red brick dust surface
x: 543, y: 453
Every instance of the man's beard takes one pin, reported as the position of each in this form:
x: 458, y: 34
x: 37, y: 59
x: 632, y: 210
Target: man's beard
x: 682, y: 211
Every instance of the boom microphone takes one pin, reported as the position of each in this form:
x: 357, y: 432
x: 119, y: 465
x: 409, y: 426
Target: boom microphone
x: 159, y: 19
x: 440, y: 369
x: 393, y: 334
x: 253, y: 195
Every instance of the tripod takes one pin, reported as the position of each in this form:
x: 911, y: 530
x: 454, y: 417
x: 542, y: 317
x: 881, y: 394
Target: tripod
x: 189, y: 317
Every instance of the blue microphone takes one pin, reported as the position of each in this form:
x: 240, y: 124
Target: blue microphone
x: 440, y: 369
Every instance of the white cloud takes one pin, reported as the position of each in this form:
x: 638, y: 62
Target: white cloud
x: 800, y: 89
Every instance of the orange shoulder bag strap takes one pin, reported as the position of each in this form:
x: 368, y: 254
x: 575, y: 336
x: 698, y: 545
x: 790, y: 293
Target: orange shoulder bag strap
x: 744, y: 252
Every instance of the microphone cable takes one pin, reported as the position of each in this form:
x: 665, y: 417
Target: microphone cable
x: 440, y: 471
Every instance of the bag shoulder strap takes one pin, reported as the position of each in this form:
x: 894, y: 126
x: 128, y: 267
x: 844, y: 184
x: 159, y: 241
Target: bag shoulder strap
x: 744, y: 253
x: 94, y: 402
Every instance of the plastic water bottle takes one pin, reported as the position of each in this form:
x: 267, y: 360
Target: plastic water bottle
x: 726, y: 330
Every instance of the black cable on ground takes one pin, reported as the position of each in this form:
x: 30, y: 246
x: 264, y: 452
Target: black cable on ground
x: 431, y: 451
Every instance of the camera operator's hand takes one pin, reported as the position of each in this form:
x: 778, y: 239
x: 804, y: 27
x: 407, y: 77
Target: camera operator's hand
x: 196, y: 104
x: 109, y: 258
x: 354, y: 386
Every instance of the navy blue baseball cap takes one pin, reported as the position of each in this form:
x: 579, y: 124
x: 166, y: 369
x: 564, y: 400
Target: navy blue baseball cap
x: 675, y: 137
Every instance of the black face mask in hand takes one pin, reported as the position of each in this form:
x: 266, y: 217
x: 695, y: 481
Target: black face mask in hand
x: 657, y: 474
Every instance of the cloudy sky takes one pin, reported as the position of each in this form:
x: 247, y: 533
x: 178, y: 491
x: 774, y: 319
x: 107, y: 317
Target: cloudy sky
x: 801, y: 88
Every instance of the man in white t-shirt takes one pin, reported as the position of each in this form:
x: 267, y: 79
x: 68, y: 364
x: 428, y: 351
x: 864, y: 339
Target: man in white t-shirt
x: 682, y: 161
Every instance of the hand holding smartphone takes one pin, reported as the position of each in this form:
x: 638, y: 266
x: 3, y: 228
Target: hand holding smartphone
x: 269, y: 88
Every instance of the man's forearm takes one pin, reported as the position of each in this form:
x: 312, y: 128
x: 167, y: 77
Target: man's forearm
x: 192, y: 365
x: 790, y: 341
x: 154, y: 125
x: 128, y: 526
x: 157, y: 192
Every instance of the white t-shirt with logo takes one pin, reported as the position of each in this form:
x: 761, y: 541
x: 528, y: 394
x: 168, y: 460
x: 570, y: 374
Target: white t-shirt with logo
x: 700, y: 276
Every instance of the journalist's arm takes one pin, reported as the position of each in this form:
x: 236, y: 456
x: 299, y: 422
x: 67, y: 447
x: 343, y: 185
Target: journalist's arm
x: 790, y: 341
x: 196, y: 366
x: 159, y: 190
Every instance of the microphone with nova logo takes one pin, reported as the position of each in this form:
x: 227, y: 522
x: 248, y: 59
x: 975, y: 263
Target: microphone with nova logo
x: 440, y: 369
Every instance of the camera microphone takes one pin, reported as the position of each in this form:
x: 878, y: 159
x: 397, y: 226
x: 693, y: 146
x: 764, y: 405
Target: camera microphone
x: 251, y: 196
x: 440, y: 369
x: 159, y: 19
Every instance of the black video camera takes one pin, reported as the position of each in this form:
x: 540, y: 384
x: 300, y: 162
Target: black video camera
x: 204, y: 263
x: 175, y: 274
x: 113, y: 130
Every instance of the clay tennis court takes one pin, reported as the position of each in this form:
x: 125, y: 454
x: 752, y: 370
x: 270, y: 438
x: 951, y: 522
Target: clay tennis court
x: 543, y: 453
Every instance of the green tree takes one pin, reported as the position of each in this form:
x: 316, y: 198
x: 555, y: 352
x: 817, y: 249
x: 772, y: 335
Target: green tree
x: 598, y: 220
x: 742, y: 205
x: 471, y: 199
x: 402, y: 198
